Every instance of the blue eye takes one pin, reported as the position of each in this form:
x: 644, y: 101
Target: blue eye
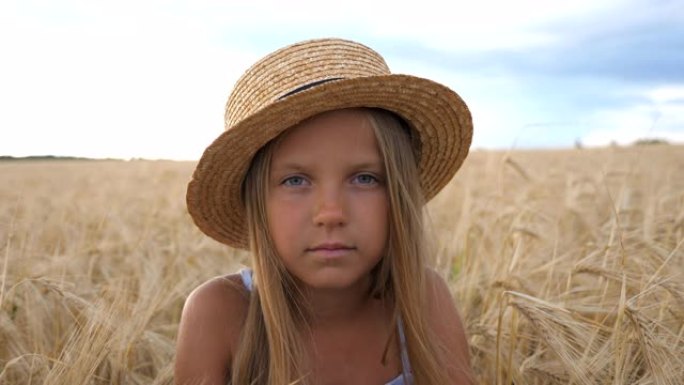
x: 294, y: 181
x: 365, y: 179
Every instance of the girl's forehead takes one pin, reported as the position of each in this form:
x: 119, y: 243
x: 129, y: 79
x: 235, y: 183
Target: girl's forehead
x: 331, y: 133
x: 339, y: 125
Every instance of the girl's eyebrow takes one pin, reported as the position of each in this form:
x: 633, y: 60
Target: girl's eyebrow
x: 375, y: 165
x: 291, y: 166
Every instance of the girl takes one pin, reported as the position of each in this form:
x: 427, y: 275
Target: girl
x: 322, y: 173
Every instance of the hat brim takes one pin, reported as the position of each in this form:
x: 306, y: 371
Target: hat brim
x: 436, y: 113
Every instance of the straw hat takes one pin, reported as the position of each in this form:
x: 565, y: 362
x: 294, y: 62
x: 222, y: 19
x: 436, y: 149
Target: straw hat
x: 305, y: 79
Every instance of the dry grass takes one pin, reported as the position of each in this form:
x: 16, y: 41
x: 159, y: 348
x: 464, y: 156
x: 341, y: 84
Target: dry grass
x: 567, y: 267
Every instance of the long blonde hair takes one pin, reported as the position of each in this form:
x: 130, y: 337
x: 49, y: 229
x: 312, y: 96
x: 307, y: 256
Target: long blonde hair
x: 272, y: 348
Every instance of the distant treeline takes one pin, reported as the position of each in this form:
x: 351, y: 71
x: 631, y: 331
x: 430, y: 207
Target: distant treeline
x: 647, y: 142
x: 44, y: 157
x: 638, y: 142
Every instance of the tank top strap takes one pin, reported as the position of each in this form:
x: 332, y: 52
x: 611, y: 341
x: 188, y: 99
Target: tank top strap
x: 246, y: 275
x: 405, y: 363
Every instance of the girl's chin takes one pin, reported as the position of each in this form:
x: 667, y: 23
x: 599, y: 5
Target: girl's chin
x: 334, y: 281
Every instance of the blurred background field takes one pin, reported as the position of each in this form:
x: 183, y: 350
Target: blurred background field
x: 567, y: 266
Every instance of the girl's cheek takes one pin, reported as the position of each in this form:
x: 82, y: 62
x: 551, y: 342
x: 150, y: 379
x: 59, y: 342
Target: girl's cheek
x: 287, y: 206
x: 288, y: 201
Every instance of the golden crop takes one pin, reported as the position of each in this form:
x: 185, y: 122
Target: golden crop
x: 567, y: 266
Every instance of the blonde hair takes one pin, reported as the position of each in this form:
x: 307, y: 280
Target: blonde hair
x: 272, y: 349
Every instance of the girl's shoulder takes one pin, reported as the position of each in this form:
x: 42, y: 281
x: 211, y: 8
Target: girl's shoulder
x: 223, y: 296
x: 209, y: 329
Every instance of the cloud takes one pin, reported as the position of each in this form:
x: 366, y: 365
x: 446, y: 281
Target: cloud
x: 626, y: 43
x: 661, y: 118
x: 105, y: 82
x: 150, y: 78
x: 602, y: 77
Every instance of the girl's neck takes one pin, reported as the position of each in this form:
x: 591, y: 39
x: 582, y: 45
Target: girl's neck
x: 330, y: 307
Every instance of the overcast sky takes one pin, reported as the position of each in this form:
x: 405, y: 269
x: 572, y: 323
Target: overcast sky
x: 142, y: 78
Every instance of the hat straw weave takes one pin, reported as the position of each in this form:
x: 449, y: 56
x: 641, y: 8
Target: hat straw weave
x: 305, y: 79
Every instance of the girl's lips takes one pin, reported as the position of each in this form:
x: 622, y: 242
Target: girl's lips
x: 329, y: 251
x: 330, y: 247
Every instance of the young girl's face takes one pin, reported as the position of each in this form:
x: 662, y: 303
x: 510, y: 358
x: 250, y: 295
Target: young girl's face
x: 327, y: 203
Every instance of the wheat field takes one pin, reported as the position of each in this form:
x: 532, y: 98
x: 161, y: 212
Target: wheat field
x: 567, y: 266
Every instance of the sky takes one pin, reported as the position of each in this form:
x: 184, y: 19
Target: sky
x: 150, y: 78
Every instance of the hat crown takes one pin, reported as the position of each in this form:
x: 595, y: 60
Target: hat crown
x: 297, y: 67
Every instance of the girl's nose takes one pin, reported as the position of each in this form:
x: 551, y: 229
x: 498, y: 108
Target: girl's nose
x: 330, y: 208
